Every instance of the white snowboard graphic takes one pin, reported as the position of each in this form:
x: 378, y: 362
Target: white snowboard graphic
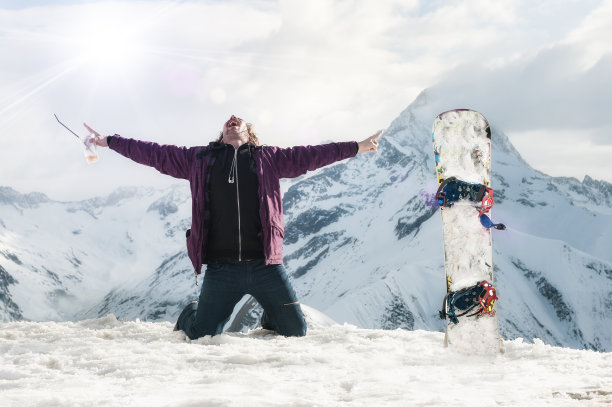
x: 462, y: 148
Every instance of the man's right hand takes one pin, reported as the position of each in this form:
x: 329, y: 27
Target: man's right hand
x: 100, y: 139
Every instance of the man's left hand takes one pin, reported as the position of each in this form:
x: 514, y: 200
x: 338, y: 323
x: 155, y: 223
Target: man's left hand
x: 370, y: 145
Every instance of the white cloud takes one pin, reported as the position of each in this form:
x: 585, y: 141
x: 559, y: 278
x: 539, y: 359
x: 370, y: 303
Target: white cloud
x: 548, y: 91
x: 303, y: 72
x: 554, y: 105
x: 593, y: 35
x: 565, y: 152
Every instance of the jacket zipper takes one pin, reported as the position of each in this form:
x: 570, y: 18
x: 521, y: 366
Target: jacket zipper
x: 234, y: 170
x: 266, y: 214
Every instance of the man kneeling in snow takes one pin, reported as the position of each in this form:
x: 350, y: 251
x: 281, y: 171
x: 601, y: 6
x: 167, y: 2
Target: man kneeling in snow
x: 237, y: 219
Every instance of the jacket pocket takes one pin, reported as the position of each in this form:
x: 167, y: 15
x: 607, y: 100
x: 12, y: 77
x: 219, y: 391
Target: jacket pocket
x: 279, y: 231
x: 189, y: 244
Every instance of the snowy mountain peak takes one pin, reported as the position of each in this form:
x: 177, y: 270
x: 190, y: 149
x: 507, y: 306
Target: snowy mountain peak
x: 8, y: 196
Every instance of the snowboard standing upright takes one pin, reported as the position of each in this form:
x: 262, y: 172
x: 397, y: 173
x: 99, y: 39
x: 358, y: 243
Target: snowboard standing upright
x: 462, y: 149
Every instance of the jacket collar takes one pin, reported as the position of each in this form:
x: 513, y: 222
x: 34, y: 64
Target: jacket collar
x: 217, y: 145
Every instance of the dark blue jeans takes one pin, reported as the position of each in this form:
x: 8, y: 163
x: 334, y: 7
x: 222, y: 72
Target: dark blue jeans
x: 227, y: 281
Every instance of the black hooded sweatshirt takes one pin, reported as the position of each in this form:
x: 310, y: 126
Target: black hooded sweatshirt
x: 235, y: 225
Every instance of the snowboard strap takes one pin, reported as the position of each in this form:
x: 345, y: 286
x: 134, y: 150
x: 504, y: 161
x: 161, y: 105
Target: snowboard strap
x: 481, y: 296
x: 487, y: 299
x: 485, y: 207
x: 487, y: 201
x: 488, y: 223
x: 452, y: 190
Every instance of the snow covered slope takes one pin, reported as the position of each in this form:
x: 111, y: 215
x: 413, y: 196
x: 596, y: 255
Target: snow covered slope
x: 363, y: 244
x: 147, y: 364
x: 58, y: 257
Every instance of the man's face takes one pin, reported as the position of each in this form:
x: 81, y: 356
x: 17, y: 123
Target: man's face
x: 234, y: 127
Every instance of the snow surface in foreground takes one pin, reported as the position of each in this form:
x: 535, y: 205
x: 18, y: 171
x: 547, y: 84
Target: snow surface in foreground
x: 106, y: 362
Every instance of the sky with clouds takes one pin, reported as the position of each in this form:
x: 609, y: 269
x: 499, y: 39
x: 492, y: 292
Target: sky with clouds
x: 303, y: 72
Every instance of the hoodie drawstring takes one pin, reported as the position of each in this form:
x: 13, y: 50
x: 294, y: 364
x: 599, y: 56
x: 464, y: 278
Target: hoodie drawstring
x: 232, y: 174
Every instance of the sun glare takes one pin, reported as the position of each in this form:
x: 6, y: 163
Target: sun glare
x: 111, y: 49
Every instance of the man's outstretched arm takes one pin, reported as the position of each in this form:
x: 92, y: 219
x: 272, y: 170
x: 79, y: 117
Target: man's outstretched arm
x: 167, y: 159
x: 295, y: 161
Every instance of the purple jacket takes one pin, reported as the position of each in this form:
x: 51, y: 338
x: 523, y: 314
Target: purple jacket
x: 273, y: 163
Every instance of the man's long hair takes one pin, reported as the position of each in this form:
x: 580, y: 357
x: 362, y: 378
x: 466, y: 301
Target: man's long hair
x: 252, y: 136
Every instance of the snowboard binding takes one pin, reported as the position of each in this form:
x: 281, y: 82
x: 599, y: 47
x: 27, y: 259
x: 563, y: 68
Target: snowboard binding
x: 451, y: 190
x: 481, y: 297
